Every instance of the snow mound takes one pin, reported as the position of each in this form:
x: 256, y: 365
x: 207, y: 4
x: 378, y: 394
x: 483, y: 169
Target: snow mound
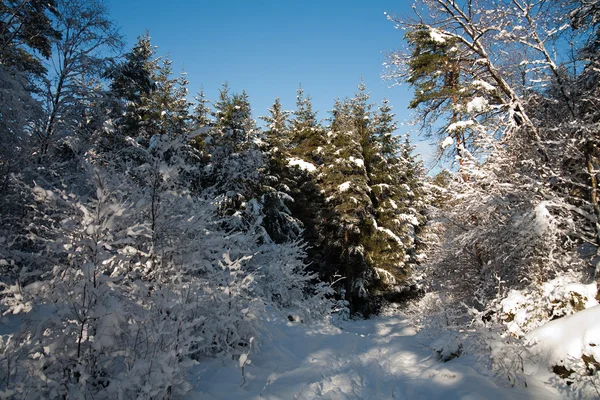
x: 568, y: 338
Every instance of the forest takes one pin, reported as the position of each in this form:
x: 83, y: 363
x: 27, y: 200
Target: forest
x: 147, y: 231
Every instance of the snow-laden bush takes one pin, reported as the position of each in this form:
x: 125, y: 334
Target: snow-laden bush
x: 140, y: 281
x: 87, y: 332
x: 284, y: 281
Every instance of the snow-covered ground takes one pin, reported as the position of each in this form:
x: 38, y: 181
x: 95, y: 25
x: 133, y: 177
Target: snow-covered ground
x: 381, y: 358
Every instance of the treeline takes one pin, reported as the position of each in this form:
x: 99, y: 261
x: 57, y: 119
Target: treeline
x: 141, y: 231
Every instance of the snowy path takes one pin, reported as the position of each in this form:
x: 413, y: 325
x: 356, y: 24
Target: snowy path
x: 374, y: 359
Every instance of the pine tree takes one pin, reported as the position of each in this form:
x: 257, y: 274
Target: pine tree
x: 234, y: 124
x: 277, y: 134
x: 435, y: 70
x: 133, y: 78
x: 200, y: 124
x: 374, y: 211
x: 291, y: 185
x: 277, y: 191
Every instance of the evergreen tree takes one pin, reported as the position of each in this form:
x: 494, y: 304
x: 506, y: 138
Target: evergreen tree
x: 234, y: 125
x: 277, y: 134
x: 307, y: 136
x: 200, y: 124
x: 438, y: 71
x: 392, y: 195
x: 234, y: 174
x: 201, y: 114
x: 372, y: 184
x: 277, y: 138
x: 133, y: 82
x: 168, y: 106
x: 291, y: 181
x: 346, y: 188
x: 276, y: 187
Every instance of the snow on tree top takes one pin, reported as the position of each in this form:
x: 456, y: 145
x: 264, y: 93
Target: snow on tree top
x: 303, y: 165
x: 387, y: 232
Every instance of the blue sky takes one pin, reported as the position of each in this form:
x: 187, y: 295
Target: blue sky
x: 268, y: 48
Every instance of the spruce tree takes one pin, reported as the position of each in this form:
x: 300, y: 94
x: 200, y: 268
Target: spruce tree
x: 292, y: 177
x: 279, y: 178
x: 307, y: 136
x: 200, y: 124
x: 167, y: 105
x: 133, y: 82
x: 201, y: 111
x: 390, y: 241
x: 346, y: 188
x: 373, y: 214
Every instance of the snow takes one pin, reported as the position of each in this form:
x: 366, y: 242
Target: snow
x: 543, y: 218
x: 459, y: 125
x: 526, y: 310
x: 380, y: 358
x: 437, y: 36
x: 391, y: 234
x: 449, y: 141
x: 344, y: 186
x: 387, y: 232
x: 479, y: 84
x: 358, y: 161
x: 411, y: 219
x: 556, y: 290
x: 478, y: 104
x: 303, y: 165
x: 514, y: 304
x: 567, y: 338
